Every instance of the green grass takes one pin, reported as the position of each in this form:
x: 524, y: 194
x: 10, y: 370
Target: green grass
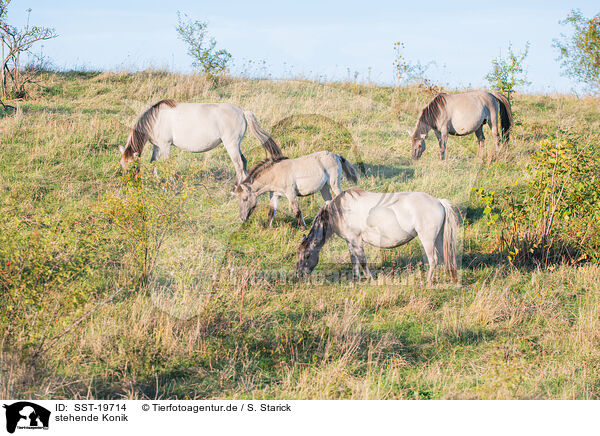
x: 210, y: 323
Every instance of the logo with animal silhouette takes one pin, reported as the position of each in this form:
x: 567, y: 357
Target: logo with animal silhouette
x: 26, y: 415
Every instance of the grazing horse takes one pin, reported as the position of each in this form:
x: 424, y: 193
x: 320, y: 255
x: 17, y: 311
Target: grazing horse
x: 462, y: 114
x: 291, y: 178
x: 195, y: 127
x: 384, y: 220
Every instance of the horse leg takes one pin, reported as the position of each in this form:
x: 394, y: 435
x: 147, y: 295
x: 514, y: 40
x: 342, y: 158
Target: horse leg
x: 354, y: 261
x: 443, y: 140
x: 336, y: 183
x: 162, y: 151
x: 481, y: 139
x: 493, y: 121
x: 293, y: 199
x: 432, y: 256
x: 358, y: 258
x: 439, y: 247
x: 155, y: 153
x: 272, y: 208
x: 326, y: 193
x: 237, y: 158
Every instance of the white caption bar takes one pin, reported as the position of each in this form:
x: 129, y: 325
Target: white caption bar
x: 298, y: 417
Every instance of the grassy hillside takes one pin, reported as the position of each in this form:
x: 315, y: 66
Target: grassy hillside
x: 220, y: 315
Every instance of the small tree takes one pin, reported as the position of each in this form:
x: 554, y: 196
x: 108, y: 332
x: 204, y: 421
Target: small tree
x: 580, y: 53
x: 202, y: 49
x: 14, y: 43
x: 509, y: 73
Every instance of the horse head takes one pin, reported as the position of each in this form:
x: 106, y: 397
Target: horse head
x: 310, y: 247
x: 308, y: 258
x: 247, y: 200
x: 418, y: 145
x: 127, y: 156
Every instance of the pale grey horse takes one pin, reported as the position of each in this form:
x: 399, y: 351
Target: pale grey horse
x: 195, y: 127
x: 384, y: 220
x: 462, y: 114
x: 291, y: 178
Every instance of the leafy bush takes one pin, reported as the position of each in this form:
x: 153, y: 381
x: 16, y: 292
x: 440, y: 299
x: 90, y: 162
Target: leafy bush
x: 54, y: 273
x: 580, y: 53
x: 554, y: 214
x: 146, y: 210
x: 200, y: 48
x: 509, y: 73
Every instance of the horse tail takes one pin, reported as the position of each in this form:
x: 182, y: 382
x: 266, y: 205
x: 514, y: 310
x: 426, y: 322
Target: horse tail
x: 505, y: 115
x: 349, y: 170
x: 450, y: 238
x: 142, y: 130
x: 264, y: 138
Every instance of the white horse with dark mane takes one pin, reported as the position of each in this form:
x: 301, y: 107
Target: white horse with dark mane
x: 462, y: 114
x: 384, y: 220
x: 195, y: 127
x: 293, y: 178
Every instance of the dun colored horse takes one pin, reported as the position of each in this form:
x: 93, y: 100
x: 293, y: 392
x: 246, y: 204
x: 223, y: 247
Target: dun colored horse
x: 384, y: 220
x: 195, y: 127
x: 462, y: 114
x: 291, y: 178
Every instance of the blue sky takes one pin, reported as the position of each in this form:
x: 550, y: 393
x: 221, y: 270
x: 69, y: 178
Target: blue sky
x: 323, y: 39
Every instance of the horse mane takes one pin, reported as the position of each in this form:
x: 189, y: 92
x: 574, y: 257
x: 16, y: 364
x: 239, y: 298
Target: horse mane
x: 353, y: 192
x: 322, y: 225
x: 261, y: 167
x: 143, y: 127
x: 320, y: 230
x: 431, y: 112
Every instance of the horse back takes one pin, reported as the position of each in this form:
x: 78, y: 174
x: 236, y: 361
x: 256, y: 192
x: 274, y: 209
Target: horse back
x: 203, y: 124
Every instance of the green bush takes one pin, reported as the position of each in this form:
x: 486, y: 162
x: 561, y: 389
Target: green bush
x: 144, y: 212
x: 52, y: 271
x: 553, y: 215
x: 580, y: 53
x: 509, y: 73
x: 202, y: 49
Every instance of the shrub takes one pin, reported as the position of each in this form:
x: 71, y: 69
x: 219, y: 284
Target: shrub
x: 509, y: 73
x: 580, y: 53
x: 200, y: 48
x: 15, y: 42
x: 146, y: 210
x: 554, y: 214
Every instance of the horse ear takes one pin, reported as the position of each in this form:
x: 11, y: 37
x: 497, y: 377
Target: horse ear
x: 121, y: 149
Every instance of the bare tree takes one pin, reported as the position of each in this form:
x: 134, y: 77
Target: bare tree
x: 15, y: 42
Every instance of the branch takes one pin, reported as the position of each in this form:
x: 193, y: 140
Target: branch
x: 6, y: 106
